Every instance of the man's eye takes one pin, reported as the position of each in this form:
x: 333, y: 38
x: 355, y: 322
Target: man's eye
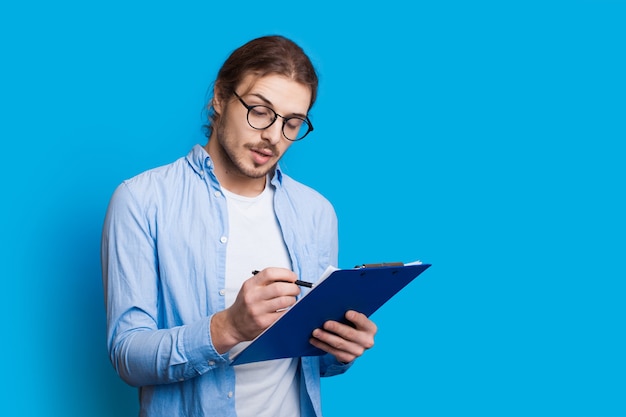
x: 260, y: 111
x: 294, y: 123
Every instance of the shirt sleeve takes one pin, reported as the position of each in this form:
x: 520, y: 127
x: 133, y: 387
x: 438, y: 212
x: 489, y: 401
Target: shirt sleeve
x: 330, y: 366
x: 141, y: 352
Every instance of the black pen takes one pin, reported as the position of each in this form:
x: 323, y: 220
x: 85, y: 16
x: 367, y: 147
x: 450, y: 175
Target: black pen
x: 297, y: 282
x: 380, y: 265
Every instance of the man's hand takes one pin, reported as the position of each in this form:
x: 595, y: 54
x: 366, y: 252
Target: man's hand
x: 262, y: 299
x: 346, y: 342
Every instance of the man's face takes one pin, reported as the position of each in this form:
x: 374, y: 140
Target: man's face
x: 248, y: 153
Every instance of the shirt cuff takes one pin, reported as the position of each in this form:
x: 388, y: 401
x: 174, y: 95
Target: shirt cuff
x: 199, y: 346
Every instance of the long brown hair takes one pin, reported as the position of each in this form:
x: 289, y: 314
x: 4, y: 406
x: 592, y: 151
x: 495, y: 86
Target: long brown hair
x: 262, y: 56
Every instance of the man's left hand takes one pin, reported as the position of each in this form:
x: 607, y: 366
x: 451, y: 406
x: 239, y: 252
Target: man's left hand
x: 343, y: 341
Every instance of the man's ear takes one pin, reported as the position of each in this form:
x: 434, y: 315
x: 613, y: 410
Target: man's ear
x: 216, y: 102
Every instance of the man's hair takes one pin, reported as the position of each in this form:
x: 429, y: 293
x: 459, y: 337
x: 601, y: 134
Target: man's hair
x: 262, y: 56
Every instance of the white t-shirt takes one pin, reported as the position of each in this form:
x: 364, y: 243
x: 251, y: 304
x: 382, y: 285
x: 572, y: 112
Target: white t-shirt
x: 269, y: 388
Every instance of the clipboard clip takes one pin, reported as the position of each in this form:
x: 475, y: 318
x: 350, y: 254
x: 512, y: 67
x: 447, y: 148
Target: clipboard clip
x: 380, y: 265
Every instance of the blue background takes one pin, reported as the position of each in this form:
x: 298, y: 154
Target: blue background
x: 486, y: 138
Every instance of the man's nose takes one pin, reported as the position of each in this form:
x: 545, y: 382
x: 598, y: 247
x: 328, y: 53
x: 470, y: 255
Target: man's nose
x: 274, y: 133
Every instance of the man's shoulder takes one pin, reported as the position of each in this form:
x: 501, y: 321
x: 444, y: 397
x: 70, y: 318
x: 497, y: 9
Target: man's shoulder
x: 159, y: 174
x: 172, y: 172
x: 301, y: 193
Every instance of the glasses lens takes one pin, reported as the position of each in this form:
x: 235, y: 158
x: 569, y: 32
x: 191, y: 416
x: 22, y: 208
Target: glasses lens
x: 261, y: 117
x: 295, y: 128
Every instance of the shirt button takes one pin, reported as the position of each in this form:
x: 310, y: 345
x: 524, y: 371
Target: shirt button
x: 230, y: 394
x: 211, y: 363
x: 222, y: 292
x: 223, y: 239
x: 217, y: 194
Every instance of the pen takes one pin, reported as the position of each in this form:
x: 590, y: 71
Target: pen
x: 297, y: 282
x: 380, y: 265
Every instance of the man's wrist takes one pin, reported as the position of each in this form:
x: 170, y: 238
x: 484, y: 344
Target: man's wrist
x: 221, y: 333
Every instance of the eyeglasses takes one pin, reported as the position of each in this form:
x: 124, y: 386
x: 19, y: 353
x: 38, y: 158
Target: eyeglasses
x: 261, y: 117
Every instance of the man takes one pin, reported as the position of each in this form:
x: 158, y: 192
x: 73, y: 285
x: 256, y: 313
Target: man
x: 180, y: 243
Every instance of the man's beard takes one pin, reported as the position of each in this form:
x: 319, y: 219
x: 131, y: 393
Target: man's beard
x: 234, y: 163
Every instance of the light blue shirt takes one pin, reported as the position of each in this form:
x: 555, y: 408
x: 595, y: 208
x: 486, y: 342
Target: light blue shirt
x: 163, y: 258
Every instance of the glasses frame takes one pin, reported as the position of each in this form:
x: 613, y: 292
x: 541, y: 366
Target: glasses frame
x: 276, y: 116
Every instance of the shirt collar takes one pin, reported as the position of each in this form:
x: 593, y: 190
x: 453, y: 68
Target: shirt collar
x: 200, y: 161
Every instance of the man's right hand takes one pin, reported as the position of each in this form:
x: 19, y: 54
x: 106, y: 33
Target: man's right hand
x: 262, y: 299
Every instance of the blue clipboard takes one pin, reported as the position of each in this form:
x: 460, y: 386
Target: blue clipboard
x: 364, y: 289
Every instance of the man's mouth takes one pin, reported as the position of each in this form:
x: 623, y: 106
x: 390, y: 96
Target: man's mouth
x: 261, y: 155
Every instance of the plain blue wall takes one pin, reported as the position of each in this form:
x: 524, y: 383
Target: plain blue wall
x: 486, y: 138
